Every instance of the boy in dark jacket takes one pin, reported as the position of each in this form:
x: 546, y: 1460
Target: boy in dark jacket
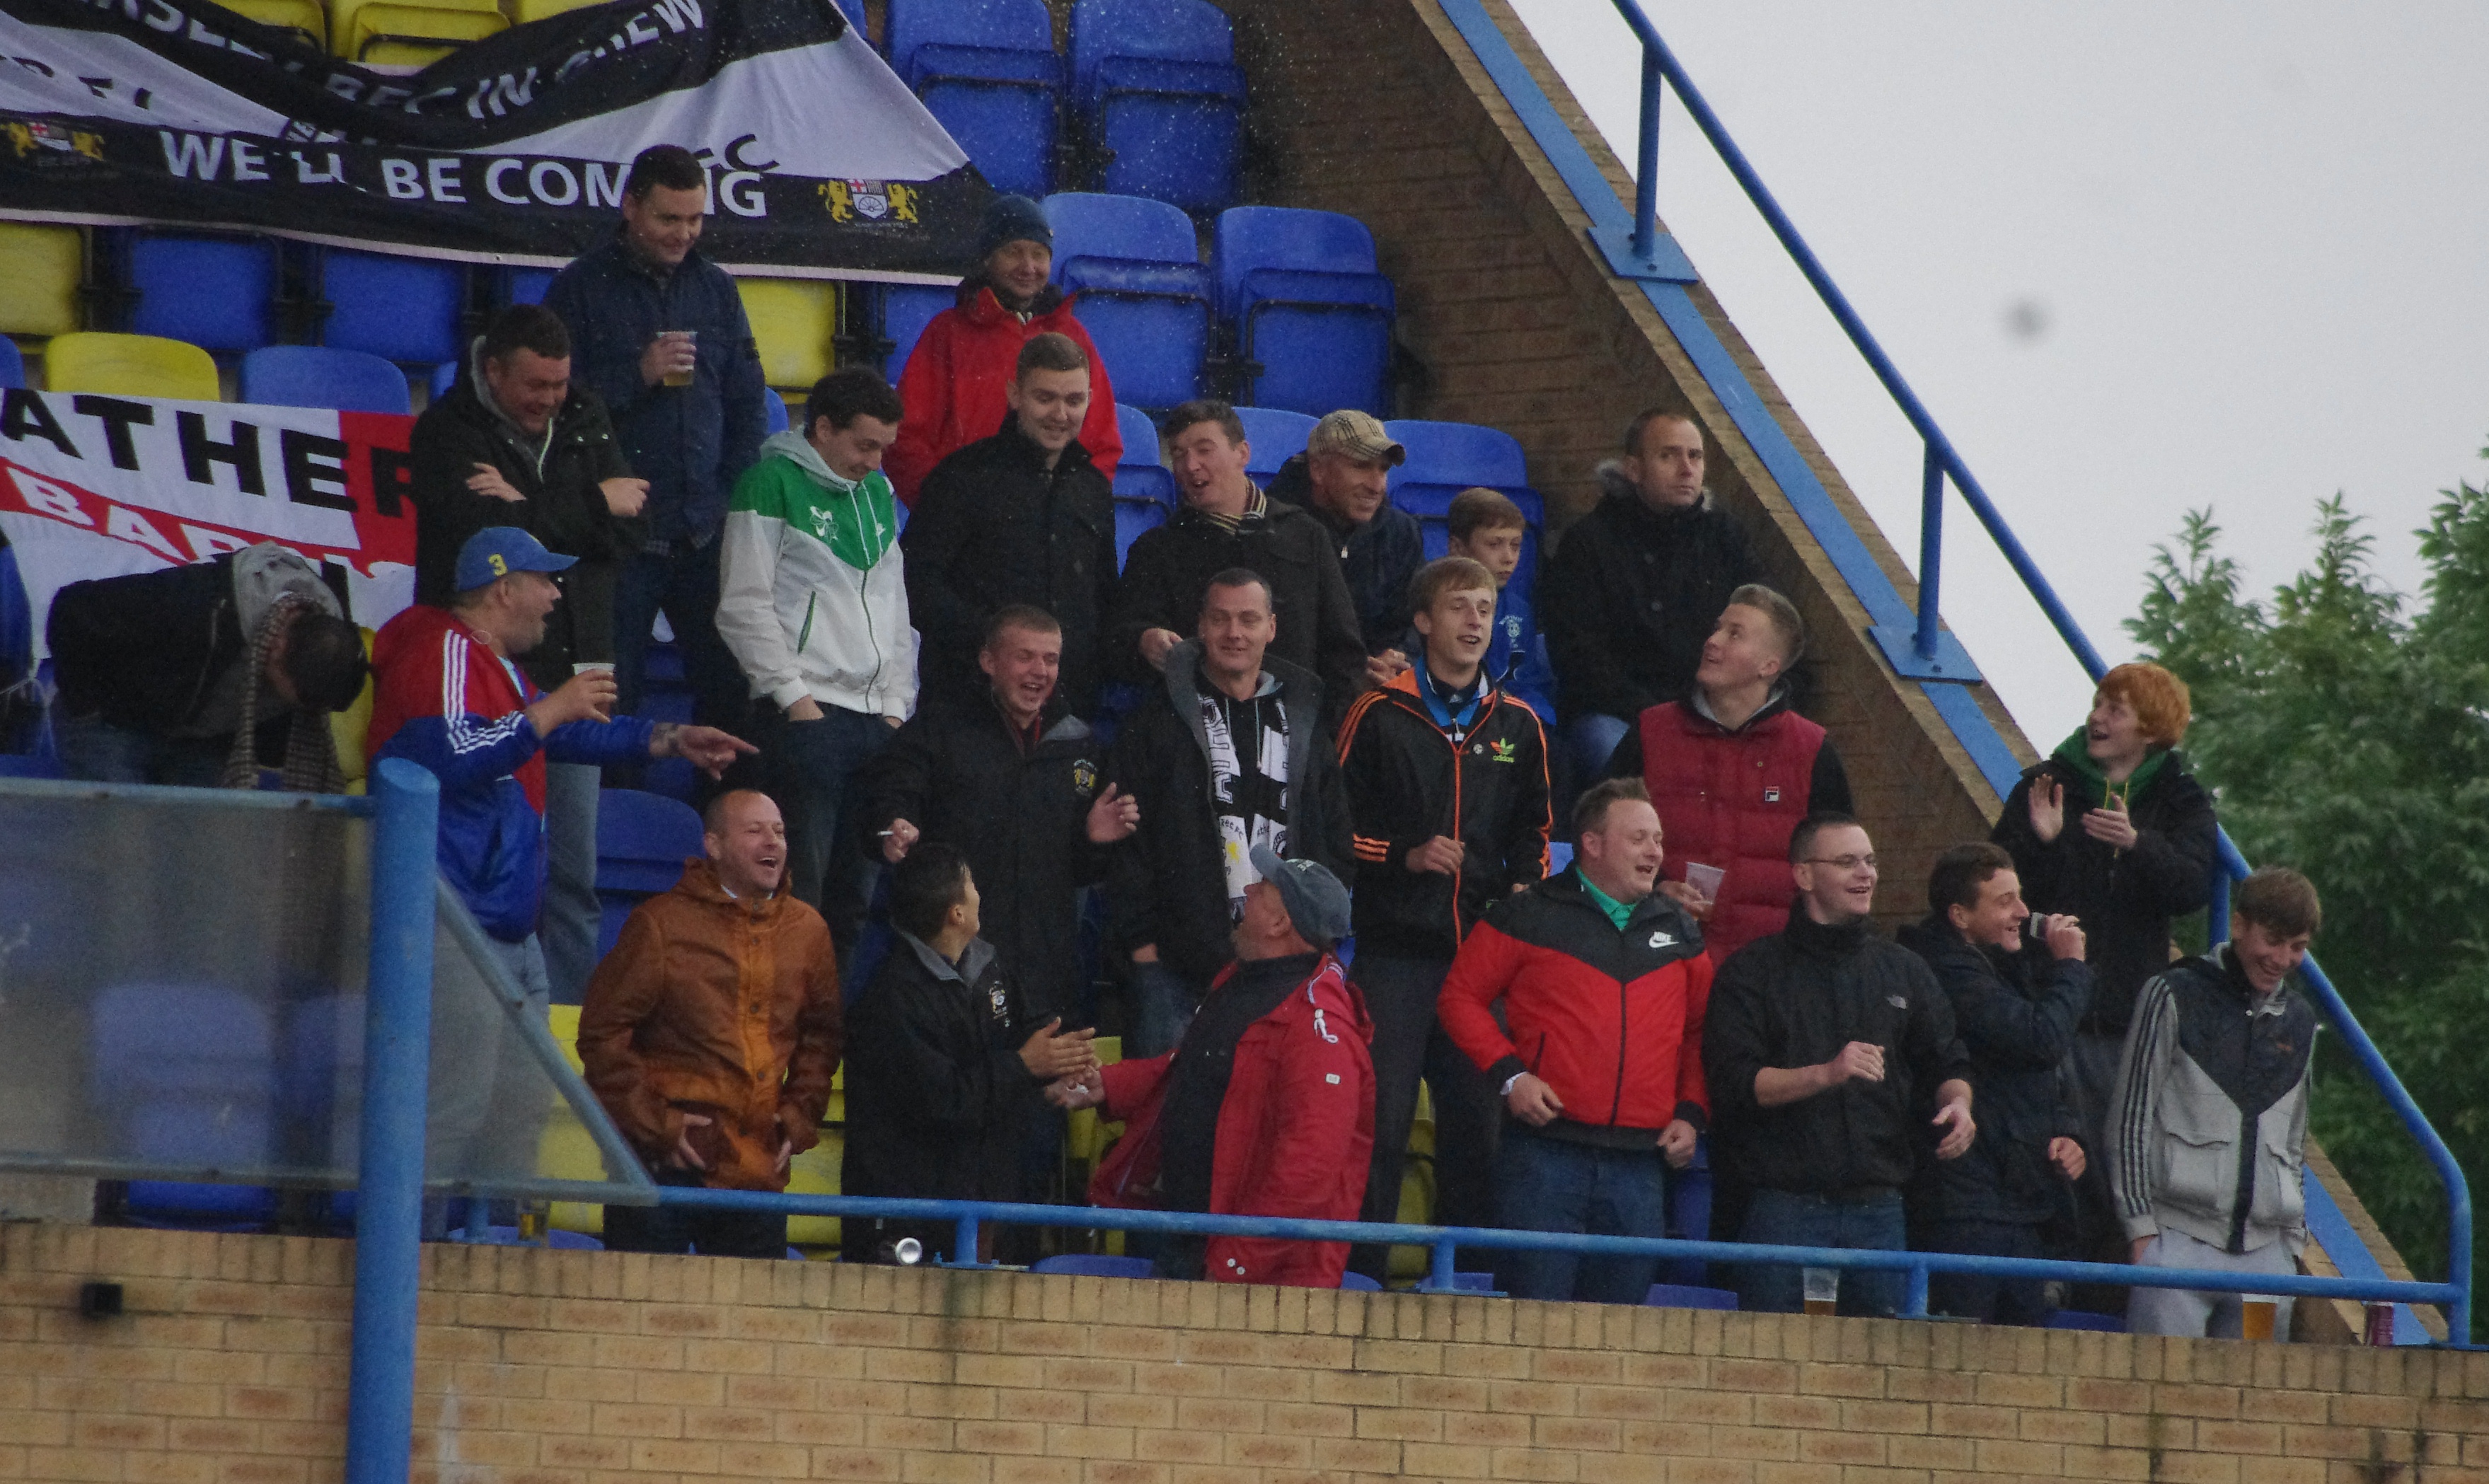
x: 945, y: 1066
x: 1833, y: 1067
x: 1227, y: 752
x: 1022, y: 517
x: 2015, y: 1004
x: 1446, y: 781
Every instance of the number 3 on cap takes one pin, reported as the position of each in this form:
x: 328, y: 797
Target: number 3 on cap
x: 501, y: 568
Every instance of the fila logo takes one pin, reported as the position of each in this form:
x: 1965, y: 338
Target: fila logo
x: 1771, y: 795
x: 1661, y: 940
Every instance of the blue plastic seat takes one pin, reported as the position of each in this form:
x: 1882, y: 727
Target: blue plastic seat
x: 526, y: 285
x: 315, y: 376
x: 217, y: 292
x: 1359, y: 1283
x: 12, y: 363
x: 1097, y: 1266
x: 2078, y: 1318
x: 773, y: 408
x: 1145, y: 297
x: 1134, y: 518
x: 1143, y: 474
x: 641, y: 841
x: 906, y: 308
x: 1310, y: 312
x: 1274, y: 436
x: 989, y: 71
x: 410, y: 310
x: 1688, y: 1296
x: 189, y: 1071
x: 1445, y: 458
x: 444, y: 376
x: 1157, y: 83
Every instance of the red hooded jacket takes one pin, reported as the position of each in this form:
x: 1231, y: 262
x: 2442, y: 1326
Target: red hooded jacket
x: 1296, y: 1132
x: 953, y: 389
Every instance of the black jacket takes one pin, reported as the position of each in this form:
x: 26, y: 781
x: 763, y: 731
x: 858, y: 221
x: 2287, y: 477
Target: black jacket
x: 1168, y: 569
x: 1377, y: 559
x: 992, y: 525
x: 564, y: 509
x: 1407, y: 782
x: 2125, y: 898
x: 1794, y: 999
x: 144, y: 652
x: 939, y: 1100
x: 1019, y: 812
x: 1630, y: 596
x: 2015, y: 1015
x: 1166, y: 884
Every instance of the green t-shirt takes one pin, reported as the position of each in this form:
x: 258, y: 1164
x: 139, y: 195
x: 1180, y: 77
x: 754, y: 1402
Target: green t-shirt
x: 1619, y: 913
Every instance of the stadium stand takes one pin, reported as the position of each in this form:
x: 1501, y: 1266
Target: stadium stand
x: 1145, y: 298
x: 641, y: 841
x: 987, y: 70
x: 1145, y: 493
x: 903, y: 311
x: 795, y: 322
x: 1156, y: 85
x: 39, y: 295
x: 192, y: 1069
x: 400, y: 33
x: 525, y: 285
x: 12, y: 364
x: 1274, y: 435
x: 1309, y: 313
x: 1445, y: 458
x: 130, y: 366
x: 217, y: 293
x: 409, y: 311
x: 314, y: 376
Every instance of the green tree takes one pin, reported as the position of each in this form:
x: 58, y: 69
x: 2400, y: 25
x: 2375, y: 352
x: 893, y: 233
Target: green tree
x: 2349, y: 735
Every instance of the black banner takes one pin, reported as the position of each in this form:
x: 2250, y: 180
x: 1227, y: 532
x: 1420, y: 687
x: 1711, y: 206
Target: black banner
x: 511, y: 148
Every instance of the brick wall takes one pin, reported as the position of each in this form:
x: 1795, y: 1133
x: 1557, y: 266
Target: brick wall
x: 230, y: 1368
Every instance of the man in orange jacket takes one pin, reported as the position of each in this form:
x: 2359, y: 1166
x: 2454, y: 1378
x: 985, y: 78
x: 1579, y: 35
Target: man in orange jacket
x: 666, y: 1034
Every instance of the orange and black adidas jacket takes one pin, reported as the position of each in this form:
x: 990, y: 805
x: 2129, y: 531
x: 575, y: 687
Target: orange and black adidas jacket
x: 1408, y: 780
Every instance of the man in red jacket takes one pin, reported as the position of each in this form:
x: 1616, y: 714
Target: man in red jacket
x: 956, y: 381
x: 1604, y: 986
x: 1733, y: 770
x: 1267, y: 1109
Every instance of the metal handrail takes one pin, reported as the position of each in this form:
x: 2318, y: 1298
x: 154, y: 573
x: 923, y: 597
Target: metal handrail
x: 1942, y: 462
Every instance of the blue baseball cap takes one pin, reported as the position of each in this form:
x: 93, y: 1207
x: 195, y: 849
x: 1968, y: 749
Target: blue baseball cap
x: 498, y: 550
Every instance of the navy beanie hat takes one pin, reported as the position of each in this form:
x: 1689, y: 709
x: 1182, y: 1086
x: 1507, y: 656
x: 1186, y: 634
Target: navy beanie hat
x: 1013, y: 219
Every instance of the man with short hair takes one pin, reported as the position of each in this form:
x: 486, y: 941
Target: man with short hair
x: 1834, y: 1068
x: 710, y: 1034
x: 947, y: 1063
x: 659, y: 334
x: 1598, y: 1052
x: 2014, y: 1003
x: 1022, y: 517
x: 202, y: 676
x: 814, y: 606
x: 1267, y: 1108
x: 1011, y: 779
x: 2208, y: 1127
x: 1733, y: 770
x: 1447, y: 782
x: 1343, y: 479
x: 1637, y: 583
x: 1227, y: 522
x: 957, y: 378
x: 518, y: 443
x: 1226, y: 753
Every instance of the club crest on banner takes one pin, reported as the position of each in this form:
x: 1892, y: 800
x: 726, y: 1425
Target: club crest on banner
x: 869, y: 201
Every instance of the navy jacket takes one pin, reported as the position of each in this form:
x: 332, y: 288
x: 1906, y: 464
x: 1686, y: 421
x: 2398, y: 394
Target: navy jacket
x: 689, y: 442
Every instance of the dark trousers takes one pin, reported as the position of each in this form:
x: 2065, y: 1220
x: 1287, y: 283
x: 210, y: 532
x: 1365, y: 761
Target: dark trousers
x: 809, y: 768
x: 1976, y: 1296
x: 95, y: 751
x: 1553, y: 1185
x: 1409, y: 1044
x: 682, y: 585
x: 1791, y: 1218
x: 677, y: 1230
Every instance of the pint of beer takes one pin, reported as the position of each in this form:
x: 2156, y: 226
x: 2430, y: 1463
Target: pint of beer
x: 1822, y: 1289
x: 2255, y: 1317
x: 682, y: 378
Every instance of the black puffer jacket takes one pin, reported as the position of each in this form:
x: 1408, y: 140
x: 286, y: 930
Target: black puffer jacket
x: 1021, y: 814
x: 1794, y: 999
x: 1168, y: 569
x: 564, y: 509
x: 992, y: 525
x: 939, y: 1100
x: 1630, y: 596
x: 2015, y: 1015
x: 1167, y: 884
x: 2127, y: 897
x: 145, y: 651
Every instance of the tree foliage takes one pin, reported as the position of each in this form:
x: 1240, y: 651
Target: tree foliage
x: 2348, y: 734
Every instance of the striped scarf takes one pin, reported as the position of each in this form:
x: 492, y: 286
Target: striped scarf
x: 310, y: 751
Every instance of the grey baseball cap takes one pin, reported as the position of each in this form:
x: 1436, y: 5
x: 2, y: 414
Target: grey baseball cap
x: 1316, y: 901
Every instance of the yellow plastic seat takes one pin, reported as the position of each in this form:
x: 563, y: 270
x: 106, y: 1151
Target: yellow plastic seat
x: 40, y: 271
x: 347, y: 728
x: 795, y: 323
x: 303, y: 16
x: 130, y: 366
x: 391, y: 34
x: 524, y: 11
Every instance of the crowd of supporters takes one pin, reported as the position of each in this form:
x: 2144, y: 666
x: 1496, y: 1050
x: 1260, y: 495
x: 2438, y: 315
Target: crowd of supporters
x: 1273, y: 731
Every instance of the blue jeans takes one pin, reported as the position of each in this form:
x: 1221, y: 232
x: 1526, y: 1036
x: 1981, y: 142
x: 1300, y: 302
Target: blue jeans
x: 811, y: 768
x: 682, y: 585
x: 95, y: 751
x: 572, y: 913
x: 1593, y: 739
x: 1162, y: 1005
x: 1789, y: 1218
x: 1548, y: 1185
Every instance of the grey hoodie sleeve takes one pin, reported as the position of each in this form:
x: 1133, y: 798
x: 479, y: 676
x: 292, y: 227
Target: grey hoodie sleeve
x: 2133, y: 1130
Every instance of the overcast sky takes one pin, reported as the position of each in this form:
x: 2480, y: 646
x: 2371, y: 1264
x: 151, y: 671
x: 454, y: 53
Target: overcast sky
x: 2135, y: 258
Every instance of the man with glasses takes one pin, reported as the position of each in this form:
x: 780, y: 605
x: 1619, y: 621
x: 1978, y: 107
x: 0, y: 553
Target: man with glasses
x: 1833, y: 1067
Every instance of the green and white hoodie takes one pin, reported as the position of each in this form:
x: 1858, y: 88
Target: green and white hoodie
x: 811, y: 599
